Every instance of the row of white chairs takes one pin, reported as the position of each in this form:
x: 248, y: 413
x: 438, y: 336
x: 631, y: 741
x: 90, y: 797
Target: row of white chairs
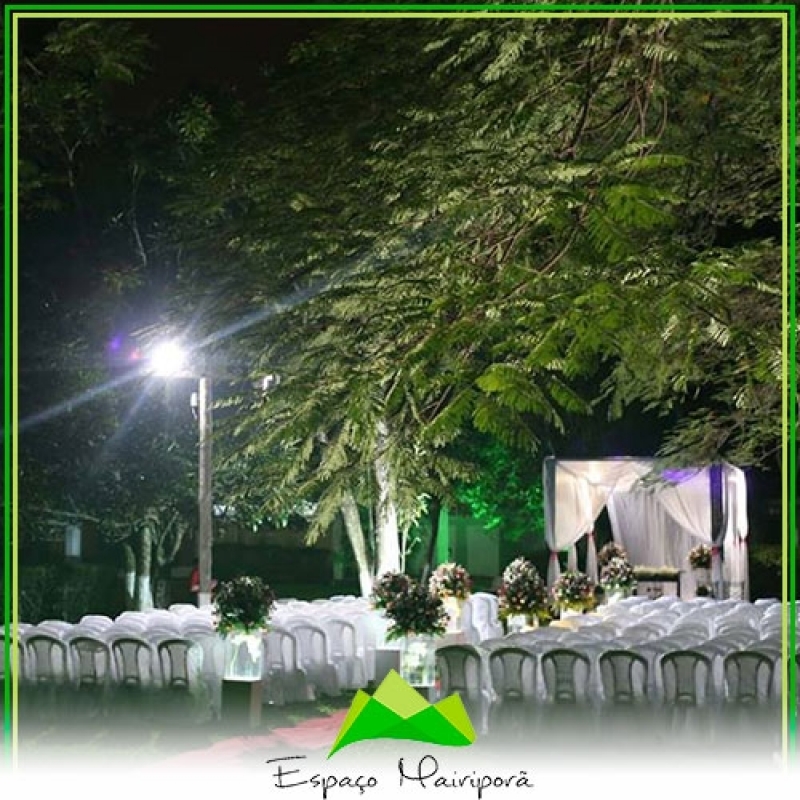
x: 516, y: 677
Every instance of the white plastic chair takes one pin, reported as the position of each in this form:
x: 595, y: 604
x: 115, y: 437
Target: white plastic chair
x: 513, y: 672
x: 461, y: 670
x: 346, y: 653
x: 285, y: 679
x: 46, y: 671
x: 315, y: 657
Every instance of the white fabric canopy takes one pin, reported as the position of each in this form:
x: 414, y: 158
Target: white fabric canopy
x: 657, y: 517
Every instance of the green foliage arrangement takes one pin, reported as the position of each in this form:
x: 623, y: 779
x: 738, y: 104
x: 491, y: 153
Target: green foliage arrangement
x: 387, y: 587
x: 645, y: 573
x: 415, y: 611
x: 243, y: 605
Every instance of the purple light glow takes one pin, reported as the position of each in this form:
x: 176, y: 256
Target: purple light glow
x: 115, y: 344
x: 678, y: 475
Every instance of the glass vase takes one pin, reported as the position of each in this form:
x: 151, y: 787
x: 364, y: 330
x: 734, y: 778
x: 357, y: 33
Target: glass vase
x: 702, y: 576
x: 516, y: 623
x: 454, y: 608
x: 244, y: 656
x: 521, y: 623
x: 418, y: 660
x: 616, y: 593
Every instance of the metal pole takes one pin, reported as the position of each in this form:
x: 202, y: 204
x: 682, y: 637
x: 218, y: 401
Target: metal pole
x: 205, y: 531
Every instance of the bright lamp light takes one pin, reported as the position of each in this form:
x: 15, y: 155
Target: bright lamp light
x: 168, y: 358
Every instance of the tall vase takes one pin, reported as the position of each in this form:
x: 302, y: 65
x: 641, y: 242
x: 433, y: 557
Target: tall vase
x: 616, y: 593
x: 702, y: 577
x: 418, y: 660
x: 454, y: 608
x: 381, y: 628
x: 516, y: 623
x: 244, y: 656
x: 521, y: 623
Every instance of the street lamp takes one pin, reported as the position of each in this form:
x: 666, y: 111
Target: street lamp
x: 169, y: 359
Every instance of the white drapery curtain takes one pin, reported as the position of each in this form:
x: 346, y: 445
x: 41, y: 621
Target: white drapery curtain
x: 656, y: 521
x: 575, y: 493
x: 736, y: 566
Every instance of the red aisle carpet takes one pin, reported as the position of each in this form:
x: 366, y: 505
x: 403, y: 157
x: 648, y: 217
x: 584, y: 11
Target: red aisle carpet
x: 312, y: 734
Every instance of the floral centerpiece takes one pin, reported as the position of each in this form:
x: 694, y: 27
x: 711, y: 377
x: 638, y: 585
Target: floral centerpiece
x: 645, y: 573
x: 574, y: 591
x: 416, y: 617
x: 617, y: 577
x: 609, y: 551
x: 387, y: 587
x: 453, y: 584
x: 242, y: 608
x: 450, y: 580
x: 700, y: 561
x: 522, y: 593
x: 700, y: 557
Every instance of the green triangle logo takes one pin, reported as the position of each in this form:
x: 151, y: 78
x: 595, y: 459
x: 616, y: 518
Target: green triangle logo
x: 398, y: 711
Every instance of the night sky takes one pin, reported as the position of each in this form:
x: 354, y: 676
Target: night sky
x: 200, y: 53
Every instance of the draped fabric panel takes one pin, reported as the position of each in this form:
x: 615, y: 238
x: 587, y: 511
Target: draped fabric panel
x: 657, y: 522
x: 575, y: 493
x: 736, y: 564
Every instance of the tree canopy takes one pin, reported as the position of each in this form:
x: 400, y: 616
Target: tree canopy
x: 498, y: 224
x: 457, y: 242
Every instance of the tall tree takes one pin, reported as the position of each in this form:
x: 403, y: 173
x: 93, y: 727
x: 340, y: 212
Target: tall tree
x: 92, y: 440
x: 495, y: 223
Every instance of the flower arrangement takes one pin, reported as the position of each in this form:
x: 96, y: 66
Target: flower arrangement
x: 574, y: 591
x: 450, y: 580
x: 617, y: 573
x: 387, y: 587
x: 243, y: 605
x: 609, y: 551
x: 522, y: 590
x: 700, y: 557
x: 416, y: 611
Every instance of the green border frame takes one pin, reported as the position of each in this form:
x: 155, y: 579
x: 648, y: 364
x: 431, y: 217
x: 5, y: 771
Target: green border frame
x: 787, y: 11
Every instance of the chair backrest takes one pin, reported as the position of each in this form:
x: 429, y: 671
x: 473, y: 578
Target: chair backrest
x: 133, y: 661
x: 513, y: 671
x: 313, y: 643
x: 47, y: 660
x: 281, y: 651
x: 748, y: 677
x: 91, y: 661
x: 459, y: 669
x: 98, y: 621
x: 54, y: 627
x: 174, y: 657
x: 343, y: 636
x: 686, y: 677
x: 623, y: 675
x: 566, y: 674
x: 195, y: 629
x: 182, y: 609
x: 20, y: 651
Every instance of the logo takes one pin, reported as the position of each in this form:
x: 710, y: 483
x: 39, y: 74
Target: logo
x: 398, y: 711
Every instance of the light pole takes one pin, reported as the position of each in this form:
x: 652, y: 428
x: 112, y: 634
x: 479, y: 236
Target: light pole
x: 169, y: 360
x: 205, y: 509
